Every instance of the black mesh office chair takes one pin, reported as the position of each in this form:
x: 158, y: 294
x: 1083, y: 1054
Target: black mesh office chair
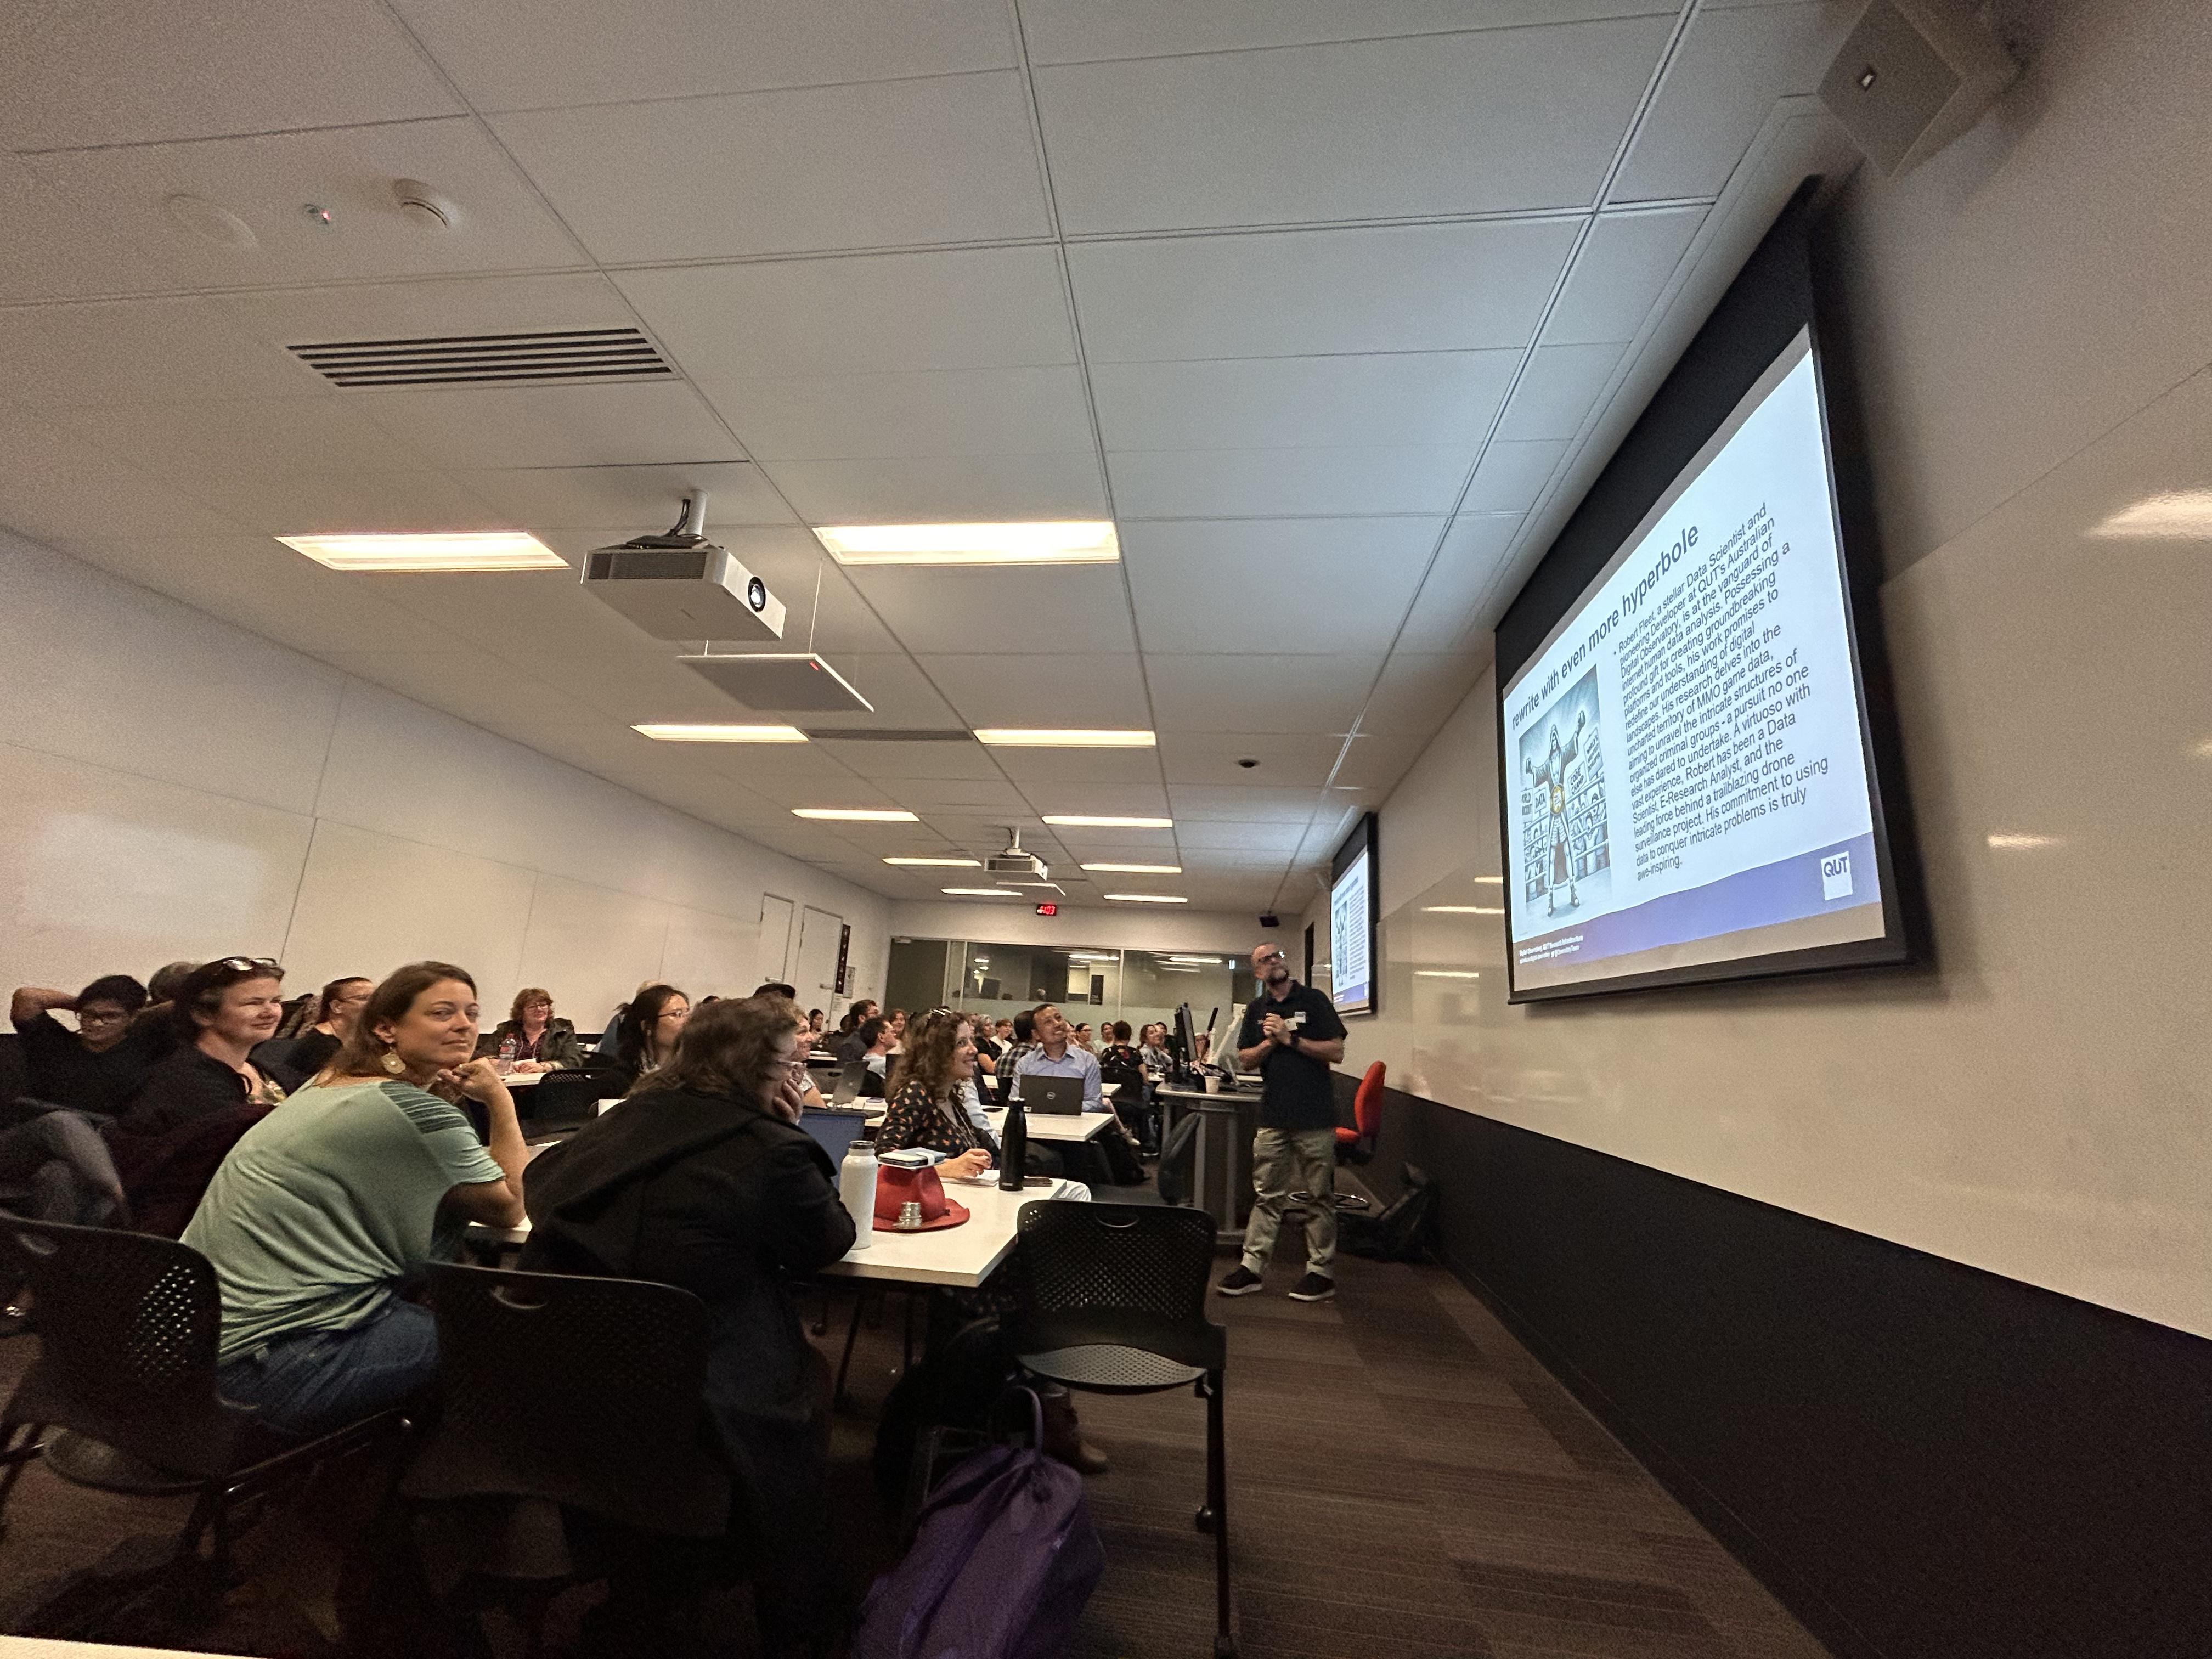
x: 1113, y: 1301
x: 128, y: 1325
x: 564, y: 1100
x: 1171, y: 1175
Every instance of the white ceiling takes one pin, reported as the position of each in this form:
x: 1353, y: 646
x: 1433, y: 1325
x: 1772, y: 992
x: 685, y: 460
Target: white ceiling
x: 1336, y: 306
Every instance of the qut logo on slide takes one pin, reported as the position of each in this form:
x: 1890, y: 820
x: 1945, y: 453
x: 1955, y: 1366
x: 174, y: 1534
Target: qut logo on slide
x: 1836, y: 876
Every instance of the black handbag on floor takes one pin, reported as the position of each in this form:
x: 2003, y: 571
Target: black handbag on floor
x: 1397, y: 1233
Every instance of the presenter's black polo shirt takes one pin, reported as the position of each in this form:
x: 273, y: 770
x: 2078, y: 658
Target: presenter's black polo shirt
x: 1298, y: 1095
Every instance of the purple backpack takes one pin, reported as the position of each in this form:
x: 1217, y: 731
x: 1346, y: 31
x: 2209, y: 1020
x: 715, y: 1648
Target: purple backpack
x: 1004, y: 1559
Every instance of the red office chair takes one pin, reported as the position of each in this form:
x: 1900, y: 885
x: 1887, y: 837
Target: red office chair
x: 1356, y: 1145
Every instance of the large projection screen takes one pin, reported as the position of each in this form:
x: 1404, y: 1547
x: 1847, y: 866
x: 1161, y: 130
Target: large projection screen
x: 1689, y: 786
x: 1355, y: 904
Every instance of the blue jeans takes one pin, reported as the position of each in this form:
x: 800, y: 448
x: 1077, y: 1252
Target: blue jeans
x: 310, y: 1384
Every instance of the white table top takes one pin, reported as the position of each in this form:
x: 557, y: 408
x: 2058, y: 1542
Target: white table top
x: 1042, y: 1126
x: 963, y: 1257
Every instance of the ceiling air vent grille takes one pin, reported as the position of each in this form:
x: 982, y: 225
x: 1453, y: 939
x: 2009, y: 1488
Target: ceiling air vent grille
x: 585, y: 354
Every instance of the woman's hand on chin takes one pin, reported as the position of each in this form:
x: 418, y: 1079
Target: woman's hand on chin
x: 478, y: 1079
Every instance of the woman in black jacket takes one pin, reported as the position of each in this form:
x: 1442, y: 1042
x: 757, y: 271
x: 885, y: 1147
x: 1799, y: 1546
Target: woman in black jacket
x: 703, y: 1179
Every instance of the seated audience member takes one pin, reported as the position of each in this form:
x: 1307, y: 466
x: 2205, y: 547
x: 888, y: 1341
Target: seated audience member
x: 855, y: 1017
x: 646, y: 1035
x: 811, y: 1037
x: 1056, y: 1055
x: 96, y: 1067
x: 1118, y: 1055
x: 1080, y: 1035
x: 223, y: 1009
x: 541, y: 1042
x: 1021, y: 1040
x: 1153, y: 1051
x: 777, y: 988
x: 897, y: 1024
x: 710, y: 1184
x: 328, y: 1020
x: 925, y: 1109
x: 874, y: 1042
x: 1005, y: 1033
x: 324, y: 1210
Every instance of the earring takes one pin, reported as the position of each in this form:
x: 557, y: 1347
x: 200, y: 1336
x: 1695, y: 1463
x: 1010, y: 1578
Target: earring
x: 393, y: 1064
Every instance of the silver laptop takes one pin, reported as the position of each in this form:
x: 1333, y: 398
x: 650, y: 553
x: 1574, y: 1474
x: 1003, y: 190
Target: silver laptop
x: 1061, y: 1096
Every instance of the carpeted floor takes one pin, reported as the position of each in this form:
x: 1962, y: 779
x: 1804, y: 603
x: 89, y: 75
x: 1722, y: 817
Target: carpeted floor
x: 1404, y: 1479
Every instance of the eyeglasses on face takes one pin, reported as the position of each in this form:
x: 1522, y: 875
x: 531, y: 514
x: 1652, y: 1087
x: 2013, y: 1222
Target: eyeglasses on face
x: 1271, y: 956
x: 101, y: 1016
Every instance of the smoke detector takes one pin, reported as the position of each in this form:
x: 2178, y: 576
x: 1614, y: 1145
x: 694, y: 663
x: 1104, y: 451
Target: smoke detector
x: 427, y: 209
x: 1014, y: 867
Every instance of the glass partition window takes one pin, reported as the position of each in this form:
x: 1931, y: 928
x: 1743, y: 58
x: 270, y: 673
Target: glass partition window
x: 1095, y: 984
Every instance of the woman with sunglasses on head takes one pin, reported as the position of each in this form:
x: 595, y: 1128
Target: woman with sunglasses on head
x: 326, y: 1212
x: 703, y: 1179
x: 222, y: 1011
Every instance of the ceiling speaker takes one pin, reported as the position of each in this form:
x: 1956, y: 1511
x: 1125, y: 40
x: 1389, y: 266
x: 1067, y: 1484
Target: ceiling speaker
x: 1912, y: 76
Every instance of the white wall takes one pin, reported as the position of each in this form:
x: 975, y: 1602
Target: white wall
x: 172, y: 786
x: 2031, y: 315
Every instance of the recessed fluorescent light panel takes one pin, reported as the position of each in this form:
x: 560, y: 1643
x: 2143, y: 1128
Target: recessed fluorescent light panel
x: 475, y: 549
x: 1065, y: 543
x: 1202, y: 962
x: 855, y: 814
x: 1015, y: 737
x: 682, y: 733
x: 941, y: 864
x: 2177, y: 515
x: 981, y: 892
x: 2024, y: 843
x: 1147, y: 898
x: 1136, y: 869
x: 1442, y: 972
x: 1461, y: 910
x: 1080, y: 821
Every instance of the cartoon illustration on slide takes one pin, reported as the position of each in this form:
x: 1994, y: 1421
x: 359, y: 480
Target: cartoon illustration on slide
x: 1563, y: 825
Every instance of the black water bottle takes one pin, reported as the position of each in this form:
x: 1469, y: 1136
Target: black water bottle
x: 1013, y: 1150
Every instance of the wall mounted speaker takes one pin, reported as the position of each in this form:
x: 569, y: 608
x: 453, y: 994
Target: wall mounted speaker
x: 1912, y: 76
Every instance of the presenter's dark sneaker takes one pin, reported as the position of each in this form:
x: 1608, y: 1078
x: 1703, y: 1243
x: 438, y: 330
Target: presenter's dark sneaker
x: 1313, y: 1288
x: 1240, y: 1281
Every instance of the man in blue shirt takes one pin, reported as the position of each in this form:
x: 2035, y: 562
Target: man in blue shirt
x: 1056, y: 1056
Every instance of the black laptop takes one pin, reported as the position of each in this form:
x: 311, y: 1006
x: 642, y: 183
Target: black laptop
x: 1061, y: 1096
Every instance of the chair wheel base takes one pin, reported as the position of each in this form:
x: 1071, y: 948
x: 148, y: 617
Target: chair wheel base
x: 1204, y: 1519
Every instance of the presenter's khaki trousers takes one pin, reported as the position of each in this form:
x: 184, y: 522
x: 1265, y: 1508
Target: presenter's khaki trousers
x: 1286, y: 1161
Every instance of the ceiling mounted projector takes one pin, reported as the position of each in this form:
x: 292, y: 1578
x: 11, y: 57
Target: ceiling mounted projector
x: 681, y: 586
x: 1015, y: 868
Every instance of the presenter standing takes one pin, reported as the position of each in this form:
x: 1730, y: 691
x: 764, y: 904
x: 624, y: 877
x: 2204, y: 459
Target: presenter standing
x: 1292, y: 1036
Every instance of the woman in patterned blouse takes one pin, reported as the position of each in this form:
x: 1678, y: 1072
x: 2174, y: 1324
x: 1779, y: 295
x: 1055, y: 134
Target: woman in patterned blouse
x: 925, y: 1109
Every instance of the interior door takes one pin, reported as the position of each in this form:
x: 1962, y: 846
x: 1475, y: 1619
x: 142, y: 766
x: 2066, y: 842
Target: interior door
x: 775, y: 940
x: 816, y: 976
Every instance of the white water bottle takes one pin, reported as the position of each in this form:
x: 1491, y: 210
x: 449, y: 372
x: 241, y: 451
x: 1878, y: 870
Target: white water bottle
x: 856, y: 1185
x: 508, y: 1049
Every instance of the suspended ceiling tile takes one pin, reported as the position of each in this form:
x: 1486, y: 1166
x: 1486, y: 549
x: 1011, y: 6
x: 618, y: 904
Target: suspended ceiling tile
x: 563, y: 426
x: 954, y: 489
x: 136, y: 72
x: 522, y: 54
x: 1497, y: 121
x: 1466, y: 570
x: 1405, y: 399
x: 268, y: 181
x: 190, y: 439
x: 309, y: 504
x: 1734, y: 64
x: 1067, y: 689
x: 1027, y: 609
x: 973, y: 411
x: 1268, y: 585
x: 139, y: 351
x: 1557, y: 394
x: 1283, y: 838
x: 429, y: 309
x: 1027, y: 766
x: 1623, y: 270
x: 1318, y: 693
x: 1512, y: 476
x: 618, y: 503
x: 971, y: 308
x: 56, y: 487
x: 886, y: 164
x: 1377, y: 762
x: 1207, y: 483
x: 1094, y: 798
x: 1081, y: 31
x: 1408, y: 287
x: 1257, y: 804
x: 59, y: 248
x: 1211, y: 757
x: 942, y: 794
x: 1418, y: 691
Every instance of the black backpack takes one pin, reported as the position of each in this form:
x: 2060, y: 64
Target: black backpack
x: 1397, y: 1233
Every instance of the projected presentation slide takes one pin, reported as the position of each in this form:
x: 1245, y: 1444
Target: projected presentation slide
x: 1351, y: 943
x: 1687, y: 780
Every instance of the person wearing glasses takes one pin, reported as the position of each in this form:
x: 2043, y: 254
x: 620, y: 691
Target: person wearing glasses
x: 704, y: 1180
x: 542, y: 1043
x: 96, y: 1067
x: 1292, y: 1036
